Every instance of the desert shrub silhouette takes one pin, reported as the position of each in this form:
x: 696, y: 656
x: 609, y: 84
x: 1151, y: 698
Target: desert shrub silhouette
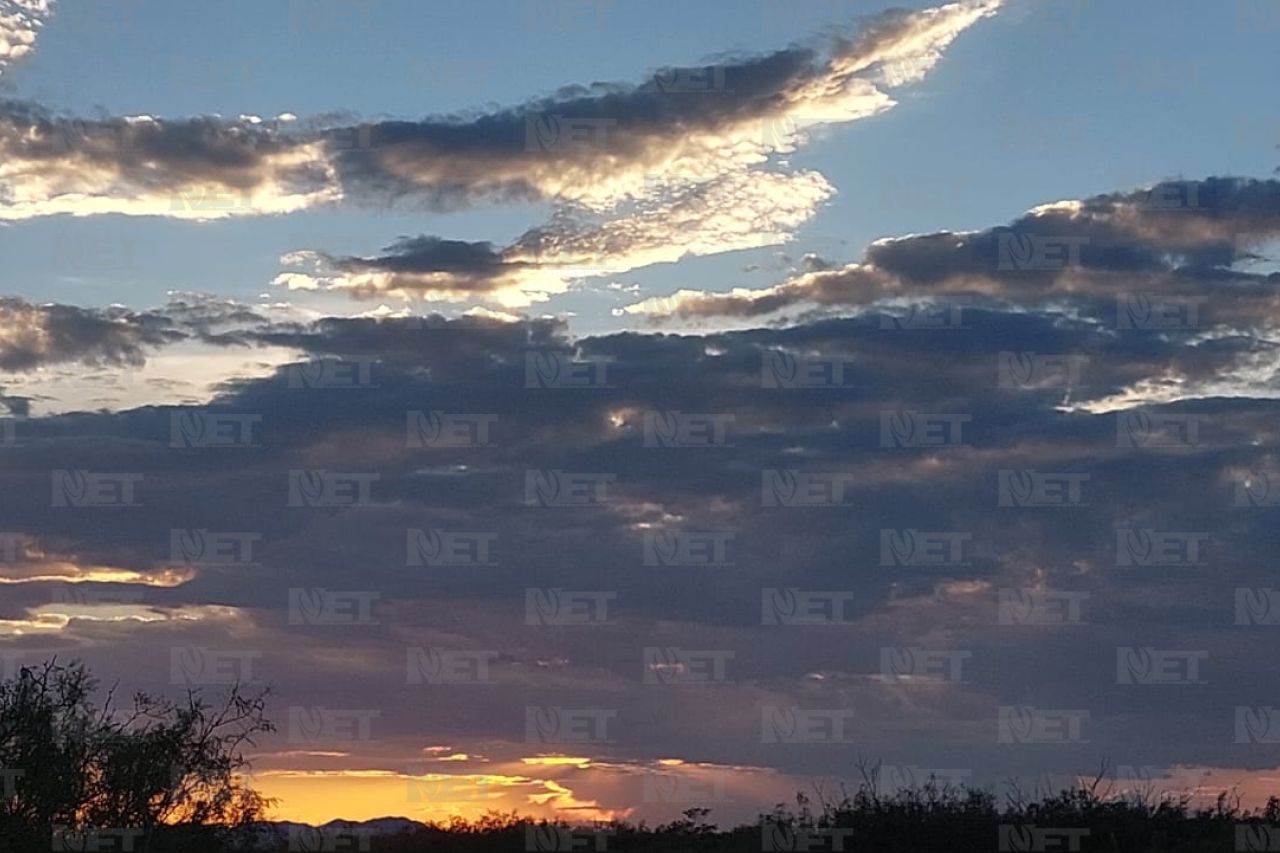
x: 159, y: 776
x: 152, y: 775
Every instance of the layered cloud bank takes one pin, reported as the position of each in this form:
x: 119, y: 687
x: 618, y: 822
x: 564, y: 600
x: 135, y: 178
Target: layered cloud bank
x: 686, y: 162
x: 483, y: 533
x: 1184, y: 244
x: 739, y: 211
x: 204, y: 168
x: 982, y: 504
x: 590, y: 146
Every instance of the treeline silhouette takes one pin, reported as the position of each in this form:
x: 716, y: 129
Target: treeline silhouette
x: 159, y: 776
x: 925, y: 819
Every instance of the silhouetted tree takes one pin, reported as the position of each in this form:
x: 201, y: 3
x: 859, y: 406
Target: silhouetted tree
x: 70, y: 766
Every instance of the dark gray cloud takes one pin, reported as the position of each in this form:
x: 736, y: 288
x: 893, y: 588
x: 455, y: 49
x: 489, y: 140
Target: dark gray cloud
x: 416, y: 265
x: 39, y: 335
x: 50, y: 334
x: 1177, y: 244
x: 592, y: 145
x: 198, y: 168
x: 1176, y: 469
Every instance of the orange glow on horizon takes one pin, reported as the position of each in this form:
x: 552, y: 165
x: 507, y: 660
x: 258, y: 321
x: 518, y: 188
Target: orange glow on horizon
x: 317, y: 797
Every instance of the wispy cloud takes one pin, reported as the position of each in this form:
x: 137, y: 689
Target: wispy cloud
x: 746, y: 210
x: 690, y: 161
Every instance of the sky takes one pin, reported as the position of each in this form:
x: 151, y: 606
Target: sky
x: 598, y: 408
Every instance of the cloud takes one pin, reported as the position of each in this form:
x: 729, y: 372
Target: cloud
x: 687, y: 162
x: 37, y: 335
x: 20, y: 23
x: 747, y: 210
x: 350, y: 416
x: 682, y: 164
x: 598, y: 145
x: 1114, y: 257
x: 199, y: 168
